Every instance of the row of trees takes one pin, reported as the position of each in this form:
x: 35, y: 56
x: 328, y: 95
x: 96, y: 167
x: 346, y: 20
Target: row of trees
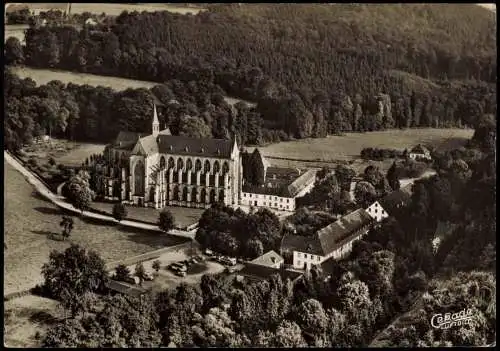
x: 330, y: 85
x: 235, y: 233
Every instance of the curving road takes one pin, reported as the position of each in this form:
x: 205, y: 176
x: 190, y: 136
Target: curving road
x: 61, y: 202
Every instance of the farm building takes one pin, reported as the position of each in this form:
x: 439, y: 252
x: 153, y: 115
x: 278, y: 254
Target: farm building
x: 269, y: 259
x: 280, y: 188
x: 334, y: 240
x: 390, y: 204
x: 124, y: 288
x: 420, y: 152
x: 256, y: 272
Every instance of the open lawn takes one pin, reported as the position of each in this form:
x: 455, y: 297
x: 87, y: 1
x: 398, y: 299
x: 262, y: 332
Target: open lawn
x: 347, y: 148
x: 30, y: 223
x: 183, y: 216
x: 27, y: 315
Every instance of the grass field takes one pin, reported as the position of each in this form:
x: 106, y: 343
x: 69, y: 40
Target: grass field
x: 183, y: 216
x: 64, y: 152
x: 113, y: 9
x: 27, y: 315
x: 347, y: 148
x: 29, y: 222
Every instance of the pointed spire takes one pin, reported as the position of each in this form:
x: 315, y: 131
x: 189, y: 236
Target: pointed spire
x: 155, y: 115
x: 156, y: 122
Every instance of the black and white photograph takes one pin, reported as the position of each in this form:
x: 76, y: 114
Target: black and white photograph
x: 249, y: 175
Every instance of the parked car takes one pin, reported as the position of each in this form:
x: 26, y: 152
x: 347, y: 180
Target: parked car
x: 193, y: 260
x: 148, y: 276
x: 209, y: 252
x: 182, y: 268
x: 200, y: 258
x: 230, y: 261
x: 173, y: 267
x: 180, y: 274
x: 240, y: 260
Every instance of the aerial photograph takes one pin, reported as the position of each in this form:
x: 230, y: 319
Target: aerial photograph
x: 249, y: 175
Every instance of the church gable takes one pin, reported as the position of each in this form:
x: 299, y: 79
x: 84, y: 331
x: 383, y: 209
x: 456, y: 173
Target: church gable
x: 138, y: 149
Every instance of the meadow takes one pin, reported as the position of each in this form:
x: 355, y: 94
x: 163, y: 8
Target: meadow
x: 32, y: 231
x: 113, y: 9
x: 331, y: 150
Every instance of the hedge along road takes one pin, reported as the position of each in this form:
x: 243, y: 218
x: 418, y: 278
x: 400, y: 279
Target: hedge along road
x: 60, y: 202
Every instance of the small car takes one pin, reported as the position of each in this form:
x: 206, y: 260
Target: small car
x: 200, y: 258
x: 180, y: 274
x: 209, y: 252
x: 148, y: 276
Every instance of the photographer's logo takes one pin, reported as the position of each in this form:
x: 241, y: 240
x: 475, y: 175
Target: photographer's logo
x: 448, y: 320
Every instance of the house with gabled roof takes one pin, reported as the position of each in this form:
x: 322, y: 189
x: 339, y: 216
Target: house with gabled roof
x: 334, y: 240
x: 420, y: 152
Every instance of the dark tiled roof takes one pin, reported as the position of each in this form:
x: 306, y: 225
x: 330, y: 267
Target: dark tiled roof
x: 307, y: 244
x: 124, y: 288
x: 339, y: 232
x: 301, y: 182
x: 149, y: 144
x: 126, y: 140
x: 267, y: 259
x: 259, y: 272
x: 284, y: 182
x: 181, y: 145
x: 396, y: 199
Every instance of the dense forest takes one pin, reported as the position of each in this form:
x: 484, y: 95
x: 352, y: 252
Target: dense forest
x: 312, y: 70
x: 83, y: 112
x: 394, y: 266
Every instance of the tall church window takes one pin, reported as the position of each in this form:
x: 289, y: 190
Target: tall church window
x: 185, y: 194
x: 162, y: 162
x: 216, y: 166
x: 212, y: 196
x: 189, y: 164
x: 180, y: 163
x: 197, y: 165
x: 203, y: 195
x: 225, y: 168
x: 139, y: 175
x: 207, y: 166
x: 171, y: 163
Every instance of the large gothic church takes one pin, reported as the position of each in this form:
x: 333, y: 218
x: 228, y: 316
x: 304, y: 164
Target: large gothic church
x: 161, y: 169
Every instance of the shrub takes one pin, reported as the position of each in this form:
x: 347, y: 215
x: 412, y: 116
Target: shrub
x: 119, y: 211
x: 52, y: 161
x: 166, y: 221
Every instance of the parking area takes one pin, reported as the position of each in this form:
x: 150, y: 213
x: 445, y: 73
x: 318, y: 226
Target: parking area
x: 167, y: 278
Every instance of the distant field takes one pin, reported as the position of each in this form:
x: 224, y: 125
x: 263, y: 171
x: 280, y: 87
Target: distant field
x: 113, y: 9
x: 64, y: 152
x: 347, y: 148
x: 43, y: 76
x: 29, y: 220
